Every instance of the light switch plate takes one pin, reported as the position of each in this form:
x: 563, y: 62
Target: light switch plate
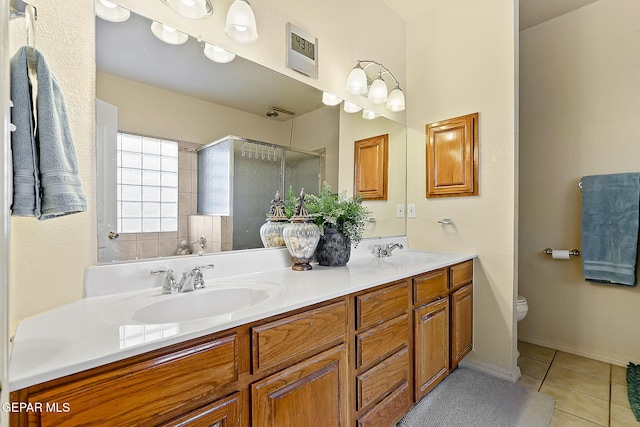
x: 400, y: 211
x: 411, y: 210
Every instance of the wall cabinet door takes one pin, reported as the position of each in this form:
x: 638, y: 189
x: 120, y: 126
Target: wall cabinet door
x: 310, y: 393
x: 431, y: 329
x: 461, y: 324
x: 452, y: 157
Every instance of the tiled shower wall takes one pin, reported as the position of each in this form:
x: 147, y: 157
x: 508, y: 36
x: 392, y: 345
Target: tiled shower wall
x: 151, y: 245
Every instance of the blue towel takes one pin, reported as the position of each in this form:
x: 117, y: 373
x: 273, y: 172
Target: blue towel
x: 610, y: 217
x: 46, y: 181
x: 26, y: 184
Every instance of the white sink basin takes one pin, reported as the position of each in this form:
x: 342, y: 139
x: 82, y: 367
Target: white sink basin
x: 220, y: 299
x: 404, y: 258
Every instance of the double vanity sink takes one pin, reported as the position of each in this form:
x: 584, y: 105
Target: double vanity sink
x: 99, y: 330
x: 225, y: 298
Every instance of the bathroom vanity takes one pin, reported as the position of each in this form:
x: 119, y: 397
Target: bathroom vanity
x: 355, y: 345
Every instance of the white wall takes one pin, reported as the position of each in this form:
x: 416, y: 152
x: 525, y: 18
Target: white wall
x: 48, y: 258
x: 580, y: 103
x: 461, y: 60
x: 152, y: 111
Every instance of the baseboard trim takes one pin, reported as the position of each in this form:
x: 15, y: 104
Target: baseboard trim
x: 573, y: 350
x: 491, y: 370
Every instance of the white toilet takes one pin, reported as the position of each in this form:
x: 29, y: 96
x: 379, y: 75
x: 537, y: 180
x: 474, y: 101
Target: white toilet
x: 522, y: 308
x: 521, y: 311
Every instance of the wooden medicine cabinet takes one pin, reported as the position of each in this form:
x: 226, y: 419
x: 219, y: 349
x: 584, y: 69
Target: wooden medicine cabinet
x: 371, y: 163
x: 452, y: 157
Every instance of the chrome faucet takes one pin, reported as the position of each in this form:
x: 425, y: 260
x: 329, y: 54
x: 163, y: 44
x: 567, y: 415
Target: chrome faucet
x: 170, y: 286
x: 382, y: 251
x: 188, y: 282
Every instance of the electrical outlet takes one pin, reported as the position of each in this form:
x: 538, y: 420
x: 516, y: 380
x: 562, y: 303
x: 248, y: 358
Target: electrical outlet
x: 400, y: 211
x: 411, y: 210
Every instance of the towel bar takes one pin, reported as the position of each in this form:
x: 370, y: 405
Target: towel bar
x: 573, y: 252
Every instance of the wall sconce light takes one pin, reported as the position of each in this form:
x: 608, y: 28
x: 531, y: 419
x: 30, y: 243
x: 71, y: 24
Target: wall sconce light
x: 375, y: 90
x: 369, y: 115
x: 218, y: 54
x: 241, y: 23
x: 192, y: 9
x: 111, y: 11
x: 350, y: 107
x: 330, y: 99
x: 168, y: 34
x: 358, y: 84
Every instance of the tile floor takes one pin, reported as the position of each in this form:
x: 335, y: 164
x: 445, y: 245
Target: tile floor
x: 587, y: 392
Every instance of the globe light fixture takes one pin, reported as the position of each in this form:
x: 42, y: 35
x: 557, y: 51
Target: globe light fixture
x: 241, y: 23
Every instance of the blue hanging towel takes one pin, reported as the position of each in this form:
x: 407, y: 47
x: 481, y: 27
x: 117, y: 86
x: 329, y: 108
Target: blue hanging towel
x: 610, y: 218
x: 46, y: 181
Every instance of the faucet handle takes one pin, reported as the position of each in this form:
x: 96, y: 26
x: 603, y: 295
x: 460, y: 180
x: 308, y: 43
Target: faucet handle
x: 198, y: 278
x: 170, y: 286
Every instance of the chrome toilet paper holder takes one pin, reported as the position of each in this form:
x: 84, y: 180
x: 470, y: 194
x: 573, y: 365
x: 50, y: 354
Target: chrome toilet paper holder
x: 573, y: 252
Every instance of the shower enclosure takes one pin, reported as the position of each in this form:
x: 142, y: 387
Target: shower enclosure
x: 238, y: 178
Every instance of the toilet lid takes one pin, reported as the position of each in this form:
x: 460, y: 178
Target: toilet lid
x: 521, y: 299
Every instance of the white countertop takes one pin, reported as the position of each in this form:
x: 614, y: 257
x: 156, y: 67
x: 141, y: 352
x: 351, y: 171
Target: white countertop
x: 99, y: 330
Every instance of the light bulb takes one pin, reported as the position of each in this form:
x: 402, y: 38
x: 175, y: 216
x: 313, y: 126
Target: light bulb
x: 218, y: 54
x: 395, y: 102
x: 108, y: 4
x: 110, y: 11
x: 378, y: 91
x: 168, y: 34
x: 192, y: 9
x: 241, y: 23
x: 350, y: 107
x: 369, y: 115
x: 330, y: 99
x: 357, y: 81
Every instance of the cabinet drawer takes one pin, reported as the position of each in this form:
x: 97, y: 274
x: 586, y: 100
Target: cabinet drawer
x: 143, y: 392
x: 382, y: 340
x: 293, y: 337
x: 382, y: 378
x: 378, y: 306
x: 390, y: 410
x: 461, y: 274
x: 430, y: 285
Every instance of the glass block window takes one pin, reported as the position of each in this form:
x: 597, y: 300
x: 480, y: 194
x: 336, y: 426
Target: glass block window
x: 147, y: 189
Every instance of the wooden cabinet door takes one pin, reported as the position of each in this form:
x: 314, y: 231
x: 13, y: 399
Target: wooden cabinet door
x: 461, y: 323
x: 311, y: 393
x: 371, y: 164
x: 452, y: 157
x: 431, y: 345
x: 221, y: 413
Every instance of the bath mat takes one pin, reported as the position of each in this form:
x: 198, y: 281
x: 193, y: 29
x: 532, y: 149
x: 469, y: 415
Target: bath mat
x: 633, y: 388
x: 471, y: 398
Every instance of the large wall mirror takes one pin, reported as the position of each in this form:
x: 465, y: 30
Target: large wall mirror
x: 158, y: 105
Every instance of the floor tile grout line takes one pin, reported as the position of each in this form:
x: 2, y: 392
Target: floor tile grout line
x: 577, y: 391
x: 582, y: 418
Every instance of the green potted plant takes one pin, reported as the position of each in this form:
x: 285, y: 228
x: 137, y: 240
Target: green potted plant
x: 341, y: 219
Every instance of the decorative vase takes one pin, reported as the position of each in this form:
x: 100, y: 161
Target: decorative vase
x: 301, y: 237
x: 271, y: 231
x: 334, y: 248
